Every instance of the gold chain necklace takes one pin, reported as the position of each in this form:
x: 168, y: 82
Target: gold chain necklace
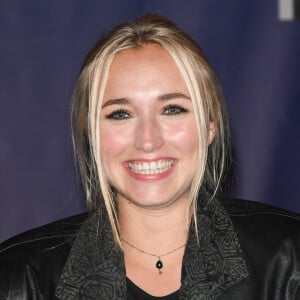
x: 159, y: 265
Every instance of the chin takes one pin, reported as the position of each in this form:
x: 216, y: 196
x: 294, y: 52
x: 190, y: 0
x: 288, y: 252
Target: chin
x: 157, y: 204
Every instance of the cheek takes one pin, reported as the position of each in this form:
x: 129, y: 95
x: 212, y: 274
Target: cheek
x: 112, y: 142
x: 185, y: 137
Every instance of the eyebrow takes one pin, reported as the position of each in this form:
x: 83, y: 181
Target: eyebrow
x: 115, y: 101
x: 171, y: 96
x: 164, y: 97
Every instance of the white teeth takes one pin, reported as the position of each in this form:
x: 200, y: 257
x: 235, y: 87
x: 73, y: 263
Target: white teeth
x: 152, y: 167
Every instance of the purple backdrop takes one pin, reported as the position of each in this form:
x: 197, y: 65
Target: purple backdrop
x: 42, y: 46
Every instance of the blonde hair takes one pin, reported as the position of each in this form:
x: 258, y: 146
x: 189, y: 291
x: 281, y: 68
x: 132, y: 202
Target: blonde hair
x: 204, y: 90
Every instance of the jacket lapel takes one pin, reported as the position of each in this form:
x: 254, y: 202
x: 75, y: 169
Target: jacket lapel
x: 215, y: 263
x: 94, y: 269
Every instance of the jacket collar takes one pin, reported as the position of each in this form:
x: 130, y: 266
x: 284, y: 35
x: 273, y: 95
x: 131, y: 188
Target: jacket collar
x: 95, y: 268
x: 216, y: 263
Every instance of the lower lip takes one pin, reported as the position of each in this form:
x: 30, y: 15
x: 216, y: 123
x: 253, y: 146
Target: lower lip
x: 149, y: 177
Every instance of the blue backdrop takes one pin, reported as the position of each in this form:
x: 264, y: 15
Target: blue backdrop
x: 42, y: 47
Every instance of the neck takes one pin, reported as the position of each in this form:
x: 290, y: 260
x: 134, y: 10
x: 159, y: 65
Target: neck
x: 156, y: 230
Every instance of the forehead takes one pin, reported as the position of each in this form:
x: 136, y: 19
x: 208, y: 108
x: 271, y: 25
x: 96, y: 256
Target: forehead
x: 141, y: 58
x: 142, y: 67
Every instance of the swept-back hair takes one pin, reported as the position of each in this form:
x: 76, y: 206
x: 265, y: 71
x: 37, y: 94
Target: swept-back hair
x: 204, y: 90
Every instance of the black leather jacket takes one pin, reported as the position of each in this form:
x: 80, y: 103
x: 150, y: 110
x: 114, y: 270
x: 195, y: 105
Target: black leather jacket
x: 246, y: 251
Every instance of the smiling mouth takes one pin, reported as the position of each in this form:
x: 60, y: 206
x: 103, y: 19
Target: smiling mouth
x: 152, y: 167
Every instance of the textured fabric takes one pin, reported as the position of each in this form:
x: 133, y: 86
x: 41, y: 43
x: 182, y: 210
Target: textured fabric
x: 219, y: 263
x: 94, y: 269
x: 246, y: 251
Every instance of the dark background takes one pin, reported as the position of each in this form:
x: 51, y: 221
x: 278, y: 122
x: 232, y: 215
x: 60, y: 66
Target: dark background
x: 42, y: 46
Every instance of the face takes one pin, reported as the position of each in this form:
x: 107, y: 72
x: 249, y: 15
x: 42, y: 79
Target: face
x: 149, y: 143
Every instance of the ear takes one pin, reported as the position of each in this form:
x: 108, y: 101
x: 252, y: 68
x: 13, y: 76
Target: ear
x: 211, y: 132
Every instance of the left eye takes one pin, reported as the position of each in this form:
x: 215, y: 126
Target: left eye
x: 174, y: 110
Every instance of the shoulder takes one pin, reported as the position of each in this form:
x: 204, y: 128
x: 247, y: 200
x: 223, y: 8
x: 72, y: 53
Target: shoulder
x: 245, y: 207
x: 44, y: 235
x: 38, y: 253
x: 262, y: 219
x: 268, y: 235
x: 260, y: 214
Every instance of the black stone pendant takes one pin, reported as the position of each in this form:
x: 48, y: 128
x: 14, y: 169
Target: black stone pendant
x: 159, y: 266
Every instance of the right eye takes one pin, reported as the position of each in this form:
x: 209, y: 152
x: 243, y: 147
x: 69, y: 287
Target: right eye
x: 118, y: 115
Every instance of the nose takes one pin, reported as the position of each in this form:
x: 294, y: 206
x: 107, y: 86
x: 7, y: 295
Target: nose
x: 148, y: 135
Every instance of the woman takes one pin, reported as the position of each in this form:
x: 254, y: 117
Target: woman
x: 151, y: 139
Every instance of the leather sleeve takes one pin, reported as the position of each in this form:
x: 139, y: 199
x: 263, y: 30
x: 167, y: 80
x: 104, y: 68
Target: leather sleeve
x: 31, y: 263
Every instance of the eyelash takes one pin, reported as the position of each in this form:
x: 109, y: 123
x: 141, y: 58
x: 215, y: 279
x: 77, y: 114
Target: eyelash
x: 121, y: 114
x: 176, y: 110
x: 118, y: 115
